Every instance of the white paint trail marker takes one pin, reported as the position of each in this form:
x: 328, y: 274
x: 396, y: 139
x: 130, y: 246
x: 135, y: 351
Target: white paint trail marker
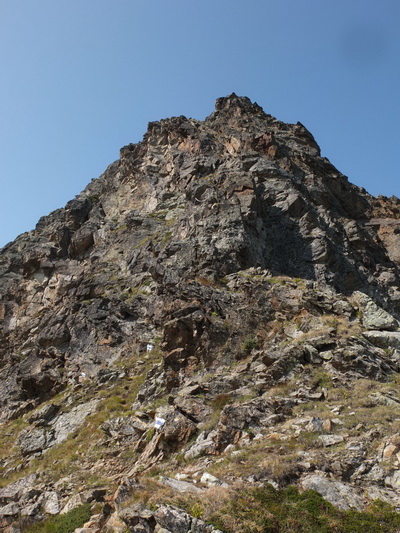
x: 159, y: 422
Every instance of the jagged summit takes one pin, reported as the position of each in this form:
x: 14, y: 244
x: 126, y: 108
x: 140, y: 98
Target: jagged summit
x: 231, y: 102
x: 213, y: 262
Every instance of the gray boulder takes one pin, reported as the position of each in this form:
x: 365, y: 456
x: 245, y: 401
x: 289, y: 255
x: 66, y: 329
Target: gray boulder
x: 373, y: 316
x: 338, y: 494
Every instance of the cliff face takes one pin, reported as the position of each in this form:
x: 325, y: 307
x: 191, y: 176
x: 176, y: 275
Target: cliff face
x: 223, y: 258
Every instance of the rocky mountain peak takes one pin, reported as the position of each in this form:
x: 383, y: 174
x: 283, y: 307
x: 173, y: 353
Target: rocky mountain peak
x: 225, y: 278
x: 237, y: 105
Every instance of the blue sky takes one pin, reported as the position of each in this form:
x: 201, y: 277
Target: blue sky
x: 81, y: 78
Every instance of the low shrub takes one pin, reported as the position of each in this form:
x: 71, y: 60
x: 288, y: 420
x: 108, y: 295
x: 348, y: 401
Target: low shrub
x: 249, y: 344
x: 63, y: 523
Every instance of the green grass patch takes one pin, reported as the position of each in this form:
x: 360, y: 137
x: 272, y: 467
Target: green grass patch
x: 63, y: 523
x: 268, y: 510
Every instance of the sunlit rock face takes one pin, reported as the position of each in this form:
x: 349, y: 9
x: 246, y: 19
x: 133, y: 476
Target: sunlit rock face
x: 228, y: 241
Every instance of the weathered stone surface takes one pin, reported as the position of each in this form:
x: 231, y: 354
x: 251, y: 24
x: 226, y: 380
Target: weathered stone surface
x: 193, y: 407
x: 57, y: 429
x: 177, y: 521
x: 138, y: 518
x: 384, y: 494
x: 180, y: 486
x: 393, y: 480
x: 87, y: 496
x: 11, y: 509
x: 36, y: 440
x: 115, y: 524
x: 204, y: 444
x: 31, y: 509
x: 256, y: 413
x: 125, y: 490
x: 15, y: 491
x: 173, y: 519
x: 373, y: 316
x: 73, y: 502
x: 390, y: 450
x: 212, y: 481
x: 44, y: 415
x: 330, y: 440
x: 384, y: 339
x: 340, y: 495
x: 51, y: 502
x: 178, y: 429
x: 66, y: 423
x: 130, y: 428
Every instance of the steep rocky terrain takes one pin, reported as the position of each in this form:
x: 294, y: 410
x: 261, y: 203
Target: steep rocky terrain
x: 224, y: 282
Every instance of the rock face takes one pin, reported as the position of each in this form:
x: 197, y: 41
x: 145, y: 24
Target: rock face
x: 212, y: 262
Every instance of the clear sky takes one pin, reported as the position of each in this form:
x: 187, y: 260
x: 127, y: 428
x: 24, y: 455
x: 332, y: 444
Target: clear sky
x: 81, y: 78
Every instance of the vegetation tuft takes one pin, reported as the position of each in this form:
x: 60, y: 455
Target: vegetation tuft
x: 249, y: 344
x: 63, y: 523
x: 268, y: 510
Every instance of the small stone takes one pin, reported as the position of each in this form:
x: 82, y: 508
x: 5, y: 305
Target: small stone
x: 330, y: 440
x: 383, y: 339
x: 315, y: 424
x: 203, y: 444
x: 31, y: 509
x: 138, y: 518
x: 115, y: 524
x: 393, y: 480
x: 181, y: 477
x: 11, y: 509
x: 212, y: 481
x: 14, y: 491
x: 373, y: 316
x: 51, y: 503
x: 34, y: 440
x: 72, y: 503
x: 44, y: 415
x: 390, y: 450
x: 327, y: 425
x: 275, y: 436
x: 180, y: 486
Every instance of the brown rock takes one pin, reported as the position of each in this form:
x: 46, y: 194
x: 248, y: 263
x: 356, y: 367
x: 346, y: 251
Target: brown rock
x: 390, y: 450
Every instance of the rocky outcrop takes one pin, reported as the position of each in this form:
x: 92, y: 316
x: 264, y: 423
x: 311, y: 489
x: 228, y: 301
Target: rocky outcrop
x: 222, y: 287
x: 167, y: 518
x: 193, y: 199
x: 56, y: 430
